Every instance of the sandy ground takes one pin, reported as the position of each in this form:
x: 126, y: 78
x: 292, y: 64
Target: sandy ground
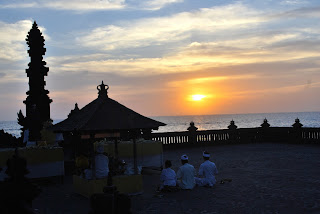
x: 266, y: 178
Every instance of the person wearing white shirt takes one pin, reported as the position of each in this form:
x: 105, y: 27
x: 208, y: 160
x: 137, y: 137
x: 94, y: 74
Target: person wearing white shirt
x: 207, y: 171
x: 168, y: 176
x: 101, y: 163
x: 186, y: 174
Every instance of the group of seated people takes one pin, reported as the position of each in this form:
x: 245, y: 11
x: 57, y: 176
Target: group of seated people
x: 185, y: 176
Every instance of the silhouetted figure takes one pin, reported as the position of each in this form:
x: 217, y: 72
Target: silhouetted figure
x: 17, y: 193
x: 192, y: 127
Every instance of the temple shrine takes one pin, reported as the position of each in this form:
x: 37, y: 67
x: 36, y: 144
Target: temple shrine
x: 37, y: 102
x: 123, y: 134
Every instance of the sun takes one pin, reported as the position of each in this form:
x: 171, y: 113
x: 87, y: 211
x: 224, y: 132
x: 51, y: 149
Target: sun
x: 197, y: 97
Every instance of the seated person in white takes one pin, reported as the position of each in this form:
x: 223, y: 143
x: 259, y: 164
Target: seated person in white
x: 168, y: 176
x: 101, y: 163
x: 207, y: 171
x: 186, y: 174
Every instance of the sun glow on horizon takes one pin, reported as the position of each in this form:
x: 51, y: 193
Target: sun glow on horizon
x: 197, y: 97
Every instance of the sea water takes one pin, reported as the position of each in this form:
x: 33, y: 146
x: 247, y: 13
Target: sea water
x: 207, y: 122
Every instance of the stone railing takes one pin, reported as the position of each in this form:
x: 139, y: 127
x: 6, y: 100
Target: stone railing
x: 232, y: 135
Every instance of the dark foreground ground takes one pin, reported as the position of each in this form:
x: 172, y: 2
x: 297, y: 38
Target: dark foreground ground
x: 266, y: 178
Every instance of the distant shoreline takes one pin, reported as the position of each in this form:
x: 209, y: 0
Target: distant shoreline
x: 211, y: 122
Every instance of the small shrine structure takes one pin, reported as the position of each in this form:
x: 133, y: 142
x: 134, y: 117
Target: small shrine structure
x: 38, y: 101
x: 105, y: 118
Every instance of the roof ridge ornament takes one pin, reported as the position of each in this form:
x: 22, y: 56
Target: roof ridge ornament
x: 103, y: 91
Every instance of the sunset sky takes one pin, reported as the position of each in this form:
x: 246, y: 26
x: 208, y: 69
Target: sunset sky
x: 248, y: 56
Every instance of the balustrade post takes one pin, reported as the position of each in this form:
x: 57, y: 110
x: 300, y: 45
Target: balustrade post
x: 296, y: 135
x: 192, y: 133
x: 264, y: 131
x: 233, y: 138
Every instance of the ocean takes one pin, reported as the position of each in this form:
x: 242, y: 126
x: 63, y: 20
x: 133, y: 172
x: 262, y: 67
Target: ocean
x: 206, y: 122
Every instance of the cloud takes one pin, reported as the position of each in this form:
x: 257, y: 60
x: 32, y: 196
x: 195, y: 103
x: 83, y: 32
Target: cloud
x: 289, y: 89
x: 201, y: 56
x: 92, y: 5
x: 235, y: 26
x: 171, y: 29
x: 293, y: 2
x: 311, y: 12
x: 207, y: 39
x: 12, y: 44
x: 202, y: 80
x: 154, y: 4
x: 75, y: 5
x: 281, y: 47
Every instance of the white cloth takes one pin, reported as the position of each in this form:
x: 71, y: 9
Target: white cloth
x: 207, y: 169
x: 102, y: 166
x: 168, y: 178
x: 184, y: 157
x: 26, y: 136
x: 186, y: 173
x: 31, y: 143
x: 130, y: 169
x: 206, y: 155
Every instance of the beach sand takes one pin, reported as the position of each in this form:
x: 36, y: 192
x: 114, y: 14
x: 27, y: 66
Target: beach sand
x: 266, y: 178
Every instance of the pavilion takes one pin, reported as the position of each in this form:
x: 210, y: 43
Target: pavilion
x: 105, y: 118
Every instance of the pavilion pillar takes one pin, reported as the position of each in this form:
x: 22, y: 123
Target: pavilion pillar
x: 135, y: 161
x: 133, y: 135
x: 116, y: 150
x: 93, y: 152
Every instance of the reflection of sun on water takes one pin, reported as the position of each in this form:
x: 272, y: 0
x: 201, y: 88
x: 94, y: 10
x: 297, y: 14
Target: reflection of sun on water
x: 197, y: 97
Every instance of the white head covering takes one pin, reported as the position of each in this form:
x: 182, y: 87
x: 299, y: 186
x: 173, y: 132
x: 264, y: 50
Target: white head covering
x: 206, y: 154
x: 184, y: 157
x: 100, y: 149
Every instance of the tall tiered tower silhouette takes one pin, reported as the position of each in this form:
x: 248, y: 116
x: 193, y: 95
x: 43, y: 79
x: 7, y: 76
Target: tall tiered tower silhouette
x: 38, y: 101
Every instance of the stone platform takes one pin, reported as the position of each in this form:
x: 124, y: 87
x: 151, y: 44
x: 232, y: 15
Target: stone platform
x: 266, y: 178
